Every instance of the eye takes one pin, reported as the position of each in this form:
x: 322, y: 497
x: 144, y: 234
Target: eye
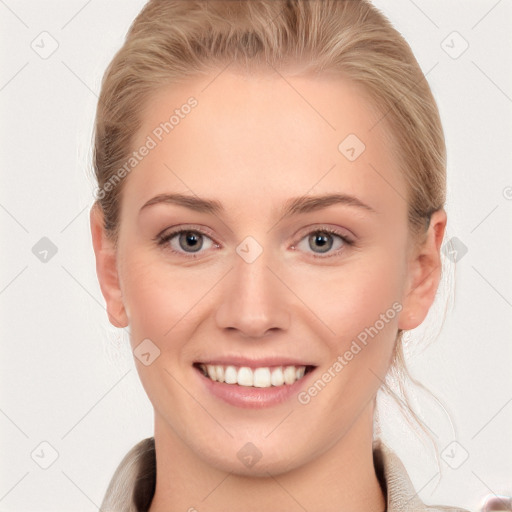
x: 322, y: 241
x: 186, y: 241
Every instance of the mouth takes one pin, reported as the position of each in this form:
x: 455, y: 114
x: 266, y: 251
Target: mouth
x: 259, y: 377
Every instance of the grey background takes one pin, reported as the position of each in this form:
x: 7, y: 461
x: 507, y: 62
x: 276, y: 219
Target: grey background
x: 67, y: 377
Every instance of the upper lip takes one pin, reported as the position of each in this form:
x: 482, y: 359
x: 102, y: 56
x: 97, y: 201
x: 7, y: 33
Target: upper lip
x: 253, y: 363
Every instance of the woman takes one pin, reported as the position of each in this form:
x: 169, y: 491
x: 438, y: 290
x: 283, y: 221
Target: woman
x: 232, y: 137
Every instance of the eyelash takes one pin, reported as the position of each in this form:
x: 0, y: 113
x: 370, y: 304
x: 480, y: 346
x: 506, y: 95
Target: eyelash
x: 164, y: 239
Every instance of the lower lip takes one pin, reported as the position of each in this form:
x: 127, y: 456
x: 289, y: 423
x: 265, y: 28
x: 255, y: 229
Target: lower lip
x: 250, y: 397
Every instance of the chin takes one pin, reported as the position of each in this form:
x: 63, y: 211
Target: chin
x: 247, y: 458
x: 267, y: 465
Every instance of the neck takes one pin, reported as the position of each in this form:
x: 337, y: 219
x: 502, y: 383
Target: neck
x: 340, y: 479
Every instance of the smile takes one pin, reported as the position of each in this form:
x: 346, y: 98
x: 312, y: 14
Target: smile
x: 262, y: 377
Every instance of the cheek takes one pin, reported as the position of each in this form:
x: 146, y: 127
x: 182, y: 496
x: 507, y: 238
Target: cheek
x: 338, y: 301
x: 163, y: 301
x: 347, y: 299
x: 362, y: 308
x: 154, y: 298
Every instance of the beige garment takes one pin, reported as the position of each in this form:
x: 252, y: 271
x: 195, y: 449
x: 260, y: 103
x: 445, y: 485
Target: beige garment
x: 133, y: 484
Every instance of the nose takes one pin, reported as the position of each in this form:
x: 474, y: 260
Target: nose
x: 254, y: 302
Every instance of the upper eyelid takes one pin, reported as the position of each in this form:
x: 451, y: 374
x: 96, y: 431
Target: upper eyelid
x: 343, y: 233
x: 175, y: 230
x: 304, y: 231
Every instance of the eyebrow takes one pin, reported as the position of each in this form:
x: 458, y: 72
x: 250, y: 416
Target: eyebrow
x: 293, y: 206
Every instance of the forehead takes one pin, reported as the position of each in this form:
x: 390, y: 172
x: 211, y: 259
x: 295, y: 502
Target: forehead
x: 268, y: 136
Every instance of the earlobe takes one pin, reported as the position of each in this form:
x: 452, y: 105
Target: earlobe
x: 424, y: 275
x: 106, y: 269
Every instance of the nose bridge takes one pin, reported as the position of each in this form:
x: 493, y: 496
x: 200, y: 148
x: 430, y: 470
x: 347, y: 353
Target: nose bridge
x: 253, y: 279
x: 253, y: 301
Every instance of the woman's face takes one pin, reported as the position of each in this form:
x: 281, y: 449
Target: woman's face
x: 266, y: 273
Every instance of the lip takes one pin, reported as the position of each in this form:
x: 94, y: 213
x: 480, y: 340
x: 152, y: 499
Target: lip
x: 251, y: 397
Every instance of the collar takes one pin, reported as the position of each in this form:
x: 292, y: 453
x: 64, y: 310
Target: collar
x: 133, y: 485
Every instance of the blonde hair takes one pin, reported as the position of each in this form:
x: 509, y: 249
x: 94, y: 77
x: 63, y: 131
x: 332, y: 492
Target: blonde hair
x: 172, y: 40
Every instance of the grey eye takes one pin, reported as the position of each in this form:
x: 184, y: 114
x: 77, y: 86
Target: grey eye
x: 190, y: 240
x: 320, y: 242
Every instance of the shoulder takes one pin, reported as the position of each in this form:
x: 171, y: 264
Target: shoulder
x: 400, y: 493
x: 132, y: 486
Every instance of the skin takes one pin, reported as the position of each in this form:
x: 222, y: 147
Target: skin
x: 252, y: 143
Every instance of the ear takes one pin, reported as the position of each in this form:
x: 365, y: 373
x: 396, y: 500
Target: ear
x: 424, y: 274
x: 106, y: 269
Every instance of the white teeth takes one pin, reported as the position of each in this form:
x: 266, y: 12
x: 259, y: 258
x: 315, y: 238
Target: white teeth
x: 230, y: 375
x: 261, y: 378
x: 211, y: 372
x: 289, y: 375
x: 244, y: 376
x: 277, y: 378
x: 264, y: 377
x: 219, y: 370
